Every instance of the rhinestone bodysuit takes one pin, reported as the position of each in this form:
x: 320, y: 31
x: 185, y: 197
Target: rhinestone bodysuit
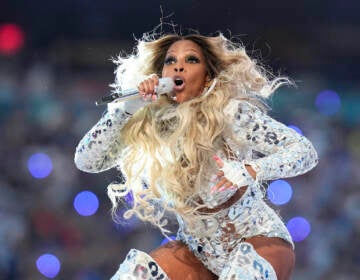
x: 216, y: 240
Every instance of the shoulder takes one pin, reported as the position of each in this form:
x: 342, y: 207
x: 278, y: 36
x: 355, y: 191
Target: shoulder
x: 242, y: 111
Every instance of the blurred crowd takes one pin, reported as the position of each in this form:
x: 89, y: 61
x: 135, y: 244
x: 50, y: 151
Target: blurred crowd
x: 47, y: 109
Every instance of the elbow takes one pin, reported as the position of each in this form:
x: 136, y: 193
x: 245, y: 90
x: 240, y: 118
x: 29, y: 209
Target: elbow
x: 311, y: 154
x: 89, y: 164
x: 83, y: 163
x: 314, y: 155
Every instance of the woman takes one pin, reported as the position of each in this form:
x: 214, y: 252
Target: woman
x: 201, y: 152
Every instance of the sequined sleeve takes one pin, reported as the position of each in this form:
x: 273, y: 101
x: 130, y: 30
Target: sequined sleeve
x: 286, y: 152
x: 99, y: 149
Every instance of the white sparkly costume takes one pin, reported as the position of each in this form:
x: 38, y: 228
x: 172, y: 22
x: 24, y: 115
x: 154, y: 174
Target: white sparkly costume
x: 223, y: 250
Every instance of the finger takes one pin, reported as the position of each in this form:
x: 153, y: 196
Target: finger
x: 141, y: 88
x: 218, y: 185
x: 221, y: 183
x: 220, y: 174
x: 155, y: 79
x: 226, y: 186
x: 218, y: 161
x: 151, y: 84
x: 147, y: 87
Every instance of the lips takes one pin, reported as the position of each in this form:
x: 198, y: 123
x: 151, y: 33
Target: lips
x: 179, y: 83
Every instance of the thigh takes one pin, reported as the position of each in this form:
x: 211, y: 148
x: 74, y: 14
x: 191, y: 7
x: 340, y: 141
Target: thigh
x: 179, y: 262
x: 277, y: 252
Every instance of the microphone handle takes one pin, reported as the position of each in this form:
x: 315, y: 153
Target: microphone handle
x: 127, y: 95
x: 165, y: 86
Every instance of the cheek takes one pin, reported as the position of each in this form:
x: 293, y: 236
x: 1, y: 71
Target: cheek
x: 201, y: 78
x: 165, y: 71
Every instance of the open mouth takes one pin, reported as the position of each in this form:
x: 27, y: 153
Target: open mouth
x: 179, y: 84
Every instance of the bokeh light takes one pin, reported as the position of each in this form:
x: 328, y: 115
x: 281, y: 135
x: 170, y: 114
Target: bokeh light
x: 297, y: 129
x: 129, y: 199
x: 279, y: 192
x: 126, y: 226
x: 86, y: 203
x: 328, y: 102
x: 166, y: 240
x: 299, y: 228
x: 40, y: 165
x: 11, y: 39
x: 48, y: 265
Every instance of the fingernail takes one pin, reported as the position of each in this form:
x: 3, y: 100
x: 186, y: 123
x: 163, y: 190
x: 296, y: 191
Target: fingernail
x: 216, y: 157
x: 222, y: 189
x: 213, y: 189
x: 213, y: 178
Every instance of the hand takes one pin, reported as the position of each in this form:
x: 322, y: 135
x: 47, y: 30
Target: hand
x: 147, y: 87
x: 224, y: 183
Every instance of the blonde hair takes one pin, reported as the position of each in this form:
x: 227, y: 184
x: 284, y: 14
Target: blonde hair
x: 174, y: 143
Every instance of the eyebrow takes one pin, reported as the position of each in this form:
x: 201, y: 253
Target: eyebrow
x: 193, y: 50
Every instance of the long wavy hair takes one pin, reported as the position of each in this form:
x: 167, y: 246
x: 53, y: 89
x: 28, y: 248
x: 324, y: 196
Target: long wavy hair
x: 171, y: 145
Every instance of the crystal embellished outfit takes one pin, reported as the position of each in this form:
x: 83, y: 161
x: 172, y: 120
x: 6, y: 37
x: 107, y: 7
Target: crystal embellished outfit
x: 218, y: 241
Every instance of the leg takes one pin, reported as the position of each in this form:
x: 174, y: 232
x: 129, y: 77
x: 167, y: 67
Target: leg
x: 179, y: 263
x: 260, y: 258
x: 139, y: 265
x: 277, y: 252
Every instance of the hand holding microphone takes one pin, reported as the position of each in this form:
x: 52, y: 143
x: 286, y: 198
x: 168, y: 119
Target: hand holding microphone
x: 149, y: 88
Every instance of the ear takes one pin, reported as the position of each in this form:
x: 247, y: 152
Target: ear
x: 208, y: 78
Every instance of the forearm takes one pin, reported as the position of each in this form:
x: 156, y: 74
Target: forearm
x: 99, y: 148
x: 251, y: 171
x: 285, y: 152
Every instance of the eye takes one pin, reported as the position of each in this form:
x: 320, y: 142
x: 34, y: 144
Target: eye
x: 192, y: 59
x: 169, y: 60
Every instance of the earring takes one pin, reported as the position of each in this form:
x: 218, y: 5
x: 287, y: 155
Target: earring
x: 207, y: 83
x: 209, y: 86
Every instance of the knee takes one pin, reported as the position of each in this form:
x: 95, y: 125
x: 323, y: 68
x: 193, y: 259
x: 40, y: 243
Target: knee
x: 277, y: 252
x: 180, y: 263
x: 139, y: 265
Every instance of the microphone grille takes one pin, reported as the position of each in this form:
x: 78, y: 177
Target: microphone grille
x: 166, y: 85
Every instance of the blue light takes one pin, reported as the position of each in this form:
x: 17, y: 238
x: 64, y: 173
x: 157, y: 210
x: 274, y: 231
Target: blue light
x: 126, y: 226
x: 279, y: 192
x: 86, y: 203
x: 129, y: 199
x: 328, y: 102
x: 48, y: 265
x: 40, y: 165
x: 299, y: 228
x: 298, y: 130
x: 165, y: 240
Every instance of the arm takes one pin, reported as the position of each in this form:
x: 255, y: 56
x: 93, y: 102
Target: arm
x: 100, y: 149
x: 287, y: 153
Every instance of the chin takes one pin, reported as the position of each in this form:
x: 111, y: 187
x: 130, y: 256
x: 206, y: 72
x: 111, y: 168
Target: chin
x: 179, y: 98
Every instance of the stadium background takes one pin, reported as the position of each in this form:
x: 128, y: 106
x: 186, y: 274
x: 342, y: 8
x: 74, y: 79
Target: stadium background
x: 55, y: 62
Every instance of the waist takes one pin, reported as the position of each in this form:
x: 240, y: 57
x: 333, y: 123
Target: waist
x: 234, y: 198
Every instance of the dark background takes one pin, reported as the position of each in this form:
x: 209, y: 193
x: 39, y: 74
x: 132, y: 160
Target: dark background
x: 47, y: 94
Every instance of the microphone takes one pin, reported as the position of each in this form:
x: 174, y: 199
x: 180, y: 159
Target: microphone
x: 166, y: 85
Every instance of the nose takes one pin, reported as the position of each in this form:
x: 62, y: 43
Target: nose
x: 179, y: 69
